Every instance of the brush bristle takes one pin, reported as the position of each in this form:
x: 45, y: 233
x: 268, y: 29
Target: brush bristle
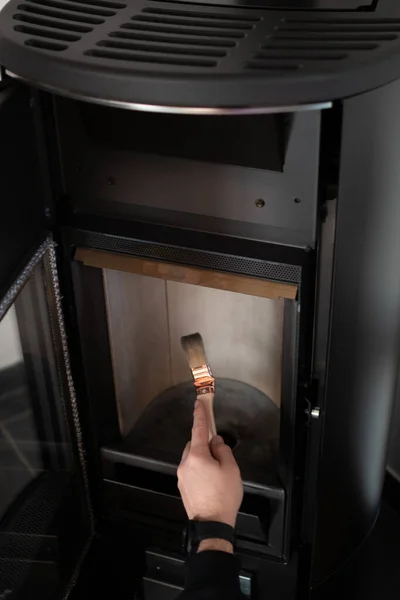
x: 194, y: 349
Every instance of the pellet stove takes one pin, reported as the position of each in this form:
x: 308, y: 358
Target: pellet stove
x: 168, y: 167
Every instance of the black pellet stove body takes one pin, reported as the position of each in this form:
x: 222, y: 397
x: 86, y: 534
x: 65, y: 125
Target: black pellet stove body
x: 168, y: 167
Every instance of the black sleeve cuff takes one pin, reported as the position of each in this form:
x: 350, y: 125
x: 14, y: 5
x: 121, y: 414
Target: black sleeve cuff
x: 213, y: 568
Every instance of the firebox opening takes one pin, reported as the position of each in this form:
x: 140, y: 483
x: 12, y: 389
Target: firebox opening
x: 245, y: 319
x: 154, y: 390
x: 149, y: 306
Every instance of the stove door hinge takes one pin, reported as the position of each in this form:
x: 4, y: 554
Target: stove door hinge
x: 310, y: 396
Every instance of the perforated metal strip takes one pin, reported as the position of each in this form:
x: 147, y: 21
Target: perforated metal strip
x: 191, y: 257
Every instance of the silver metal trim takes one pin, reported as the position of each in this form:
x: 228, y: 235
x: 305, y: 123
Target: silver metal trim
x: 23, y: 277
x: 176, y: 110
x: 245, y: 584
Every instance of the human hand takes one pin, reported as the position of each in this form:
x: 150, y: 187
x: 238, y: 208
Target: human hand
x: 208, y: 476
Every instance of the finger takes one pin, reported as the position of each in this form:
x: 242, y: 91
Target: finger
x: 221, y: 452
x: 200, y: 428
x: 185, y: 452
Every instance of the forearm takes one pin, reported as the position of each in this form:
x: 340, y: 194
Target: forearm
x: 216, y: 544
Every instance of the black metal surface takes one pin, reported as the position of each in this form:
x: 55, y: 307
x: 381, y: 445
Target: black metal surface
x: 22, y: 202
x: 363, y: 350
x: 91, y: 350
x: 290, y: 425
x: 112, y: 168
x: 232, y: 56
x: 165, y: 576
x: 374, y: 571
x: 148, y: 496
x: 391, y: 492
x: 251, y: 141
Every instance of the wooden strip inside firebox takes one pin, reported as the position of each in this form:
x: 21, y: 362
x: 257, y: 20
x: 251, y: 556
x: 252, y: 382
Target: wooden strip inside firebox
x: 172, y: 272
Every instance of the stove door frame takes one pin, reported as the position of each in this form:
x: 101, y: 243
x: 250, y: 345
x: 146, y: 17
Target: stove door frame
x: 93, y: 345
x: 25, y: 246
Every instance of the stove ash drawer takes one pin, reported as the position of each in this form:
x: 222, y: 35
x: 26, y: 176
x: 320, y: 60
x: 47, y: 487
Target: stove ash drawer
x: 164, y: 578
x: 143, y: 496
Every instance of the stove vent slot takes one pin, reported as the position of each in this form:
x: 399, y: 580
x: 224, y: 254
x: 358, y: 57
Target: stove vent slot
x: 174, y: 40
x: 174, y: 37
x: 32, y: 20
x: 181, y: 31
x: 161, y: 48
x: 46, y: 33
x: 55, y: 13
x: 300, y: 43
x: 351, y: 30
x: 82, y: 6
x: 61, y: 20
x: 342, y: 22
x: 185, y: 19
x: 202, y: 24
x: 266, y: 65
x: 202, y: 15
x: 43, y: 45
x: 147, y: 57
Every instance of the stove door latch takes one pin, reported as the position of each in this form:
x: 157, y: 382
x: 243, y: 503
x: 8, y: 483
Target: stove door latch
x: 312, y: 411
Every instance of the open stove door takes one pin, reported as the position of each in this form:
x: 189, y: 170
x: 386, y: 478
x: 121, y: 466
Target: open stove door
x: 45, y: 514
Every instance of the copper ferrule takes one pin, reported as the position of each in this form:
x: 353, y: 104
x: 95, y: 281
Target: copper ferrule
x: 204, y: 381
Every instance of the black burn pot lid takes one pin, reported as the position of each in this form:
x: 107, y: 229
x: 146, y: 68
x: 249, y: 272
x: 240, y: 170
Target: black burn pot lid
x: 239, y: 56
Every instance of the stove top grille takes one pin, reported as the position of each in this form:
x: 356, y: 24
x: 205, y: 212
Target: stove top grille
x: 206, y: 55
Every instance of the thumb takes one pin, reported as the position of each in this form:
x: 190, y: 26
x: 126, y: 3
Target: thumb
x: 221, y: 452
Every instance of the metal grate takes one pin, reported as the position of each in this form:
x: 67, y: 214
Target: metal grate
x: 299, y: 43
x: 195, y: 258
x: 198, y: 56
x: 174, y: 37
x: 21, y: 534
x: 55, y: 24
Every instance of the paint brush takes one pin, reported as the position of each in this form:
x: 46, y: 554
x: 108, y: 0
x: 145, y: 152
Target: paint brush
x: 204, y: 381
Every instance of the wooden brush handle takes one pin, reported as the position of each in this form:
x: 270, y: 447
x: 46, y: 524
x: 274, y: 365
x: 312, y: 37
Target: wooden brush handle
x: 208, y: 401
